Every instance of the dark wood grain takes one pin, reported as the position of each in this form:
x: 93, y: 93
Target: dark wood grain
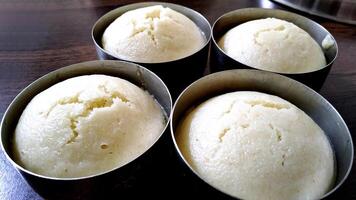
x: 38, y: 36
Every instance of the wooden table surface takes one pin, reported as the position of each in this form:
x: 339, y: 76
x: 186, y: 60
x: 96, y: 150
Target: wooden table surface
x: 38, y: 36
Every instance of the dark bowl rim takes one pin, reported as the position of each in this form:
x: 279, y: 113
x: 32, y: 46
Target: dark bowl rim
x: 280, y: 11
x: 153, y: 3
x: 177, y: 148
x: 71, y: 67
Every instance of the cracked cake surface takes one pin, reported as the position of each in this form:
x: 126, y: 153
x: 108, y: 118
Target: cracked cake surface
x: 274, y: 45
x: 152, y: 34
x: 86, y: 125
x: 253, y: 145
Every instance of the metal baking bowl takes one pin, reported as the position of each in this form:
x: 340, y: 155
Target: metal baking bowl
x: 221, y: 61
x: 313, y: 104
x: 176, y: 74
x: 123, y: 181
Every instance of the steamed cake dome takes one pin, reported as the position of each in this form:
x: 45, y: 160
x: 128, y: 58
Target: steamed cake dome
x: 86, y: 125
x: 274, y: 45
x: 152, y: 34
x: 257, y: 146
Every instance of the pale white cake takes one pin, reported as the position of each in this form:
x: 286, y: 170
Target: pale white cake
x: 86, y: 125
x: 274, y: 45
x: 152, y: 34
x: 257, y: 146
